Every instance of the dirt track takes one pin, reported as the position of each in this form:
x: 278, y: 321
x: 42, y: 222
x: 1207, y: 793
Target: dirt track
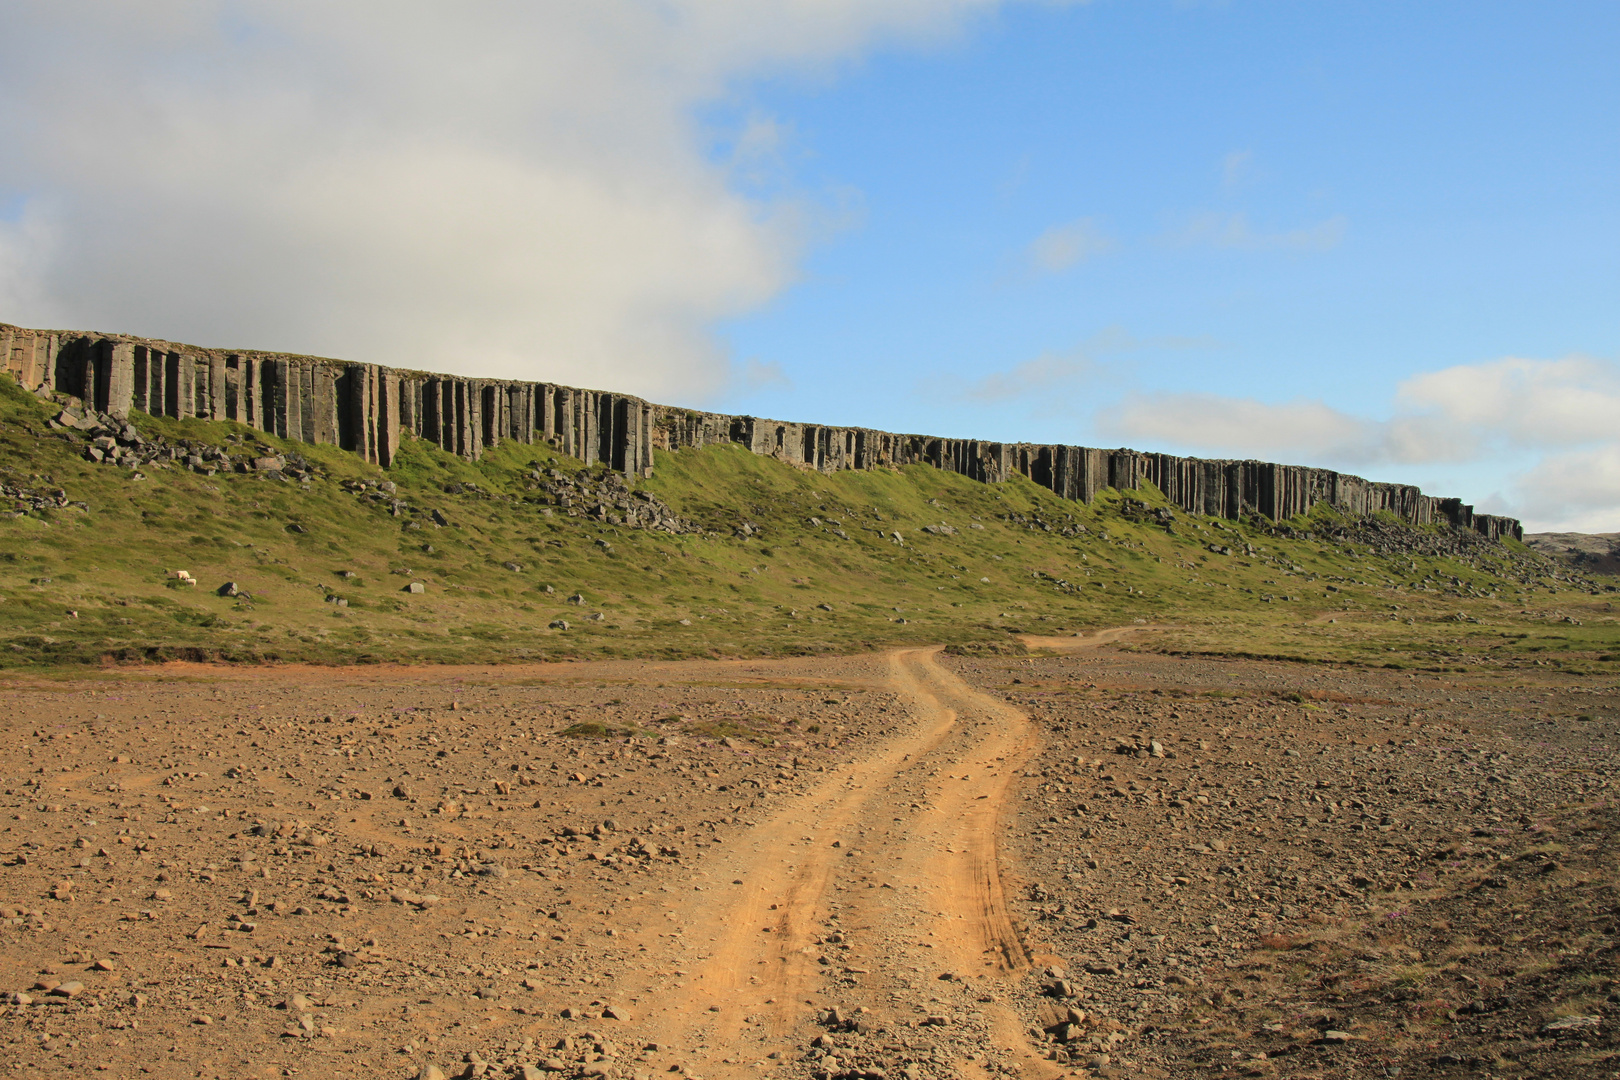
x: 909, y: 834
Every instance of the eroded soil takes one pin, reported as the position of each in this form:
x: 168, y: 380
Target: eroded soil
x: 903, y: 865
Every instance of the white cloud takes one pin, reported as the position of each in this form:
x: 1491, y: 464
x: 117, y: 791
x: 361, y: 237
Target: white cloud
x: 480, y: 187
x: 1300, y: 431
x: 1573, y: 492
x: 1052, y: 370
x: 1562, y: 413
x: 1529, y: 402
x: 1232, y: 231
x: 1235, y: 168
x: 757, y: 375
x: 1454, y: 414
x: 1043, y: 373
x: 1062, y: 246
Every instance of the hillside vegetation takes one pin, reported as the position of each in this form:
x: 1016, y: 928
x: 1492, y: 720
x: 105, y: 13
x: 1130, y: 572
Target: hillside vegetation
x: 720, y: 553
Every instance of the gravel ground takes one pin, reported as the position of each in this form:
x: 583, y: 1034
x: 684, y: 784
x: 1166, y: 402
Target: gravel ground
x: 905, y: 865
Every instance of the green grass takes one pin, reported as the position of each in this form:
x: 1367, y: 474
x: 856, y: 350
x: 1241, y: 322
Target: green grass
x: 593, y: 730
x: 714, y: 594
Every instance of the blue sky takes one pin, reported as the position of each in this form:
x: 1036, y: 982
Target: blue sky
x: 1381, y: 237
x: 1282, y: 201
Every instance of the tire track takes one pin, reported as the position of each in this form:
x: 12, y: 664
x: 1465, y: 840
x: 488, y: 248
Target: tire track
x: 755, y: 914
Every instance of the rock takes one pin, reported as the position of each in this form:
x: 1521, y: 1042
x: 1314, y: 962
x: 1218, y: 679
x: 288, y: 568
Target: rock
x: 558, y: 624
x: 1563, y: 1024
x: 615, y: 1012
x: 415, y: 588
x: 67, y: 989
x: 431, y: 1071
x: 228, y: 589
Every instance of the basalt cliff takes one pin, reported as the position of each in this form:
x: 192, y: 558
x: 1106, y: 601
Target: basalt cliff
x: 369, y: 408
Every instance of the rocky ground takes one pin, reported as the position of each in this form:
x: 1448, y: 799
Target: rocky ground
x: 1593, y: 553
x: 900, y: 865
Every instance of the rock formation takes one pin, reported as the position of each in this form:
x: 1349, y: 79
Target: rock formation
x: 367, y: 408
x: 1594, y: 553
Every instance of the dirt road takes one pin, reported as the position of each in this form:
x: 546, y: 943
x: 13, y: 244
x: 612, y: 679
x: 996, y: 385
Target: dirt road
x: 885, y: 882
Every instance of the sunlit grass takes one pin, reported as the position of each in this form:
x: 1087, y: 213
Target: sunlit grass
x: 96, y: 584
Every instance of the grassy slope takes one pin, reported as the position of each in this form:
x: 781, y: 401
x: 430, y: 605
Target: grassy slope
x: 741, y: 596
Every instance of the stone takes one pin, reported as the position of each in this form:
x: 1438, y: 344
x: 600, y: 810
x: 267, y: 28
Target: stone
x: 67, y: 990
x: 431, y: 1071
x: 1571, y: 1023
x: 415, y: 588
x: 558, y: 624
x: 228, y: 589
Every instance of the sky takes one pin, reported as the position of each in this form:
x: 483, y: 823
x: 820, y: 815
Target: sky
x: 1377, y: 237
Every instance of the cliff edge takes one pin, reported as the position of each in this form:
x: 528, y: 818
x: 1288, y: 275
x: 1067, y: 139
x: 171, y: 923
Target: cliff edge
x: 368, y: 408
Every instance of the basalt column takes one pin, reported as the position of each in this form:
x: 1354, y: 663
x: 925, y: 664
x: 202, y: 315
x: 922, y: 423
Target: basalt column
x: 217, y: 395
x: 148, y: 372
x: 109, y: 377
x: 29, y: 357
